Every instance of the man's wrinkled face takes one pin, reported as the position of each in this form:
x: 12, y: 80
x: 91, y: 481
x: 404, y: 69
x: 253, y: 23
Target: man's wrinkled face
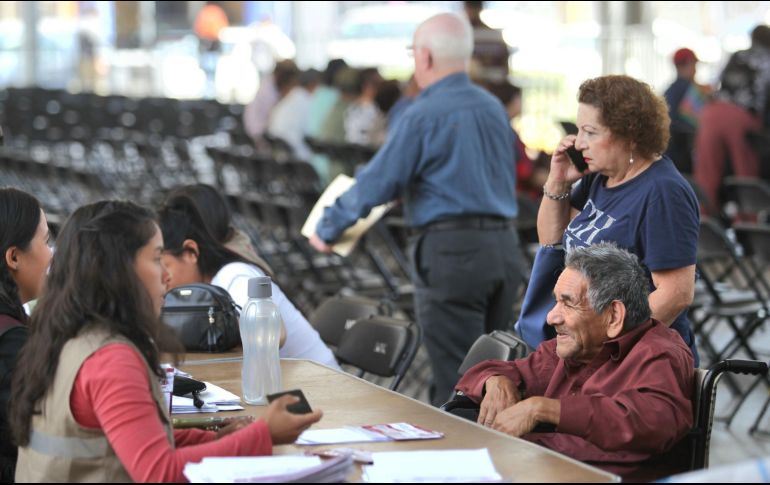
x: 580, y: 331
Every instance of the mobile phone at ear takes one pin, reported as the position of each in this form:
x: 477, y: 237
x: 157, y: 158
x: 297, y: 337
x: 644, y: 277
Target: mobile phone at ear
x: 577, y: 158
x: 301, y: 407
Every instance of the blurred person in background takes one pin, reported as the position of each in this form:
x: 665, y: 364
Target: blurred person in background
x: 490, y: 52
x: 685, y: 100
x: 324, y: 98
x: 364, y: 122
x: 741, y: 106
x: 388, y: 94
x: 87, y: 45
x: 256, y: 115
x: 529, y: 178
x: 289, y: 116
x: 410, y: 91
x: 449, y: 160
x: 208, y: 24
x: 333, y: 127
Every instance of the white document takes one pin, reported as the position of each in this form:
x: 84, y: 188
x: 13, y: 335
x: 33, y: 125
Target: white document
x: 338, y: 435
x: 214, y: 397
x: 347, y: 242
x: 432, y: 466
x: 184, y: 405
x: 224, y: 470
x: 368, y: 433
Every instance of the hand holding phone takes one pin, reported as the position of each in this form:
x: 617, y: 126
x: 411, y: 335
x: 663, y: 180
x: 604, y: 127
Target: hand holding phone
x: 301, y: 407
x: 577, y: 158
x: 287, y: 423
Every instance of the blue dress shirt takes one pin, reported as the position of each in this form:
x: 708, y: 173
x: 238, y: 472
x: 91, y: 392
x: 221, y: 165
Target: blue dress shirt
x: 450, y: 154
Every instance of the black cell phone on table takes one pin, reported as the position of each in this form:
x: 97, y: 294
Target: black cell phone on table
x: 576, y: 156
x: 301, y: 407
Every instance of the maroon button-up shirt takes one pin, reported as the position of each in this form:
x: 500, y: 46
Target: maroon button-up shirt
x: 631, y: 403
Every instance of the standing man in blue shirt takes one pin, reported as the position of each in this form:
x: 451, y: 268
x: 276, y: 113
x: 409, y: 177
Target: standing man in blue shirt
x: 449, y: 160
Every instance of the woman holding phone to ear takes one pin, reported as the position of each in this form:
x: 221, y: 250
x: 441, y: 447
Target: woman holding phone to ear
x: 630, y: 194
x: 87, y: 404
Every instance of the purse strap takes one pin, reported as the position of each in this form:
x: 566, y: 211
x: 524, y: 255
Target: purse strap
x: 8, y: 323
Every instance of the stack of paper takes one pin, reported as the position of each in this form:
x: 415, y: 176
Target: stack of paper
x: 270, y: 469
x: 364, y: 434
x: 348, y: 240
x: 214, y: 397
x: 432, y: 466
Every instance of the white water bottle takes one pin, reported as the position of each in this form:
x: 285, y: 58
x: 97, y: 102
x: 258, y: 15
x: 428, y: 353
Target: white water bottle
x: 260, y: 335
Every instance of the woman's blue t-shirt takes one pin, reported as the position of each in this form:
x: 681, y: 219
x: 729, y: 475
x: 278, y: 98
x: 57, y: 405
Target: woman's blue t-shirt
x: 655, y: 215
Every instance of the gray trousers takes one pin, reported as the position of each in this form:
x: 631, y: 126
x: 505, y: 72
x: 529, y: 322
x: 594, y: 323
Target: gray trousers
x: 465, y: 284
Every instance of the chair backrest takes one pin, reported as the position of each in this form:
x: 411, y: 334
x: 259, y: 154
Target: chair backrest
x: 381, y: 345
x: 337, y: 314
x: 752, y: 195
x: 498, y: 345
x: 704, y: 400
x: 755, y: 239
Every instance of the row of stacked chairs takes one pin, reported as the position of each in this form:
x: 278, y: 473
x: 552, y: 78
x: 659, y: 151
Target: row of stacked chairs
x: 72, y: 149
x: 732, y: 299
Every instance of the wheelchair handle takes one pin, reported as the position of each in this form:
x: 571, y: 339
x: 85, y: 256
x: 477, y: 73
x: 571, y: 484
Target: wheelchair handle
x: 751, y: 367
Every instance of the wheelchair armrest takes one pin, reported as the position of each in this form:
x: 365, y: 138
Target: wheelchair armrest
x: 459, y: 401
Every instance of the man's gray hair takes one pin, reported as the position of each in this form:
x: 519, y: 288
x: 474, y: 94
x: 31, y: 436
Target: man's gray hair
x: 449, y: 38
x: 613, y: 274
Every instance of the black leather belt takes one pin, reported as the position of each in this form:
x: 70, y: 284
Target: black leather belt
x: 484, y: 223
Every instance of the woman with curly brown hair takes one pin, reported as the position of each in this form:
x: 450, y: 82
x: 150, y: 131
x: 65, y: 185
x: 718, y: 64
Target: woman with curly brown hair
x: 630, y: 194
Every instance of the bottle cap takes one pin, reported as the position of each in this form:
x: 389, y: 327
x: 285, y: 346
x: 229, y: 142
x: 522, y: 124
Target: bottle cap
x: 260, y: 287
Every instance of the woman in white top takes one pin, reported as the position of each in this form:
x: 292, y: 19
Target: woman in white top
x: 195, y: 222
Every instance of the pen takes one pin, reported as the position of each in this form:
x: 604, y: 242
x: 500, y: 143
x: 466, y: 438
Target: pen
x: 205, y: 423
x: 212, y: 423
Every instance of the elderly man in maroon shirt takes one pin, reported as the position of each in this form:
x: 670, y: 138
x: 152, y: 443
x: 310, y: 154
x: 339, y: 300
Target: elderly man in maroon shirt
x: 616, y: 384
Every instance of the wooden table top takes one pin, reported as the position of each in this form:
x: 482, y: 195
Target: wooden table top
x: 349, y: 401
x: 192, y: 358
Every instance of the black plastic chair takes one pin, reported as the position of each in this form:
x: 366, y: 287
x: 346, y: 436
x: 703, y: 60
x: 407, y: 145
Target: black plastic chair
x: 734, y: 295
x: 755, y: 239
x: 382, y: 346
x: 498, y: 345
x: 752, y: 196
x: 339, y: 313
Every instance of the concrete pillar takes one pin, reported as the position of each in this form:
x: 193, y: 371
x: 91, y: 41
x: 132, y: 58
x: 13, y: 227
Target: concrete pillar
x: 30, y: 15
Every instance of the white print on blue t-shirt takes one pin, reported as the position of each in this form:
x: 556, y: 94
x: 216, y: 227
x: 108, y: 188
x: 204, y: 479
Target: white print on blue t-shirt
x: 586, y: 231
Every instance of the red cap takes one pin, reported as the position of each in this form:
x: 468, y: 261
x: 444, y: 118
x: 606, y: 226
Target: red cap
x: 684, y: 56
